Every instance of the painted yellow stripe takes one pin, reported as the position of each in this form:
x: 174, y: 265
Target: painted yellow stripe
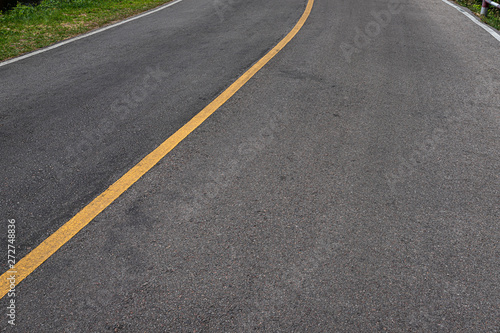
x: 49, y: 246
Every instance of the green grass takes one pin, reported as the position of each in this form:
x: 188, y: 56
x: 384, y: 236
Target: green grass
x: 493, y: 17
x: 27, y: 28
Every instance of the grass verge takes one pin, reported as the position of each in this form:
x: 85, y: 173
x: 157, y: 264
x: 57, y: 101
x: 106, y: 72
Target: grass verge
x: 27, y: 28
x: 493, y: 17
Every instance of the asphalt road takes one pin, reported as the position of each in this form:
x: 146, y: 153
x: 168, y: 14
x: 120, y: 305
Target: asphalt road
x: 352, y: 185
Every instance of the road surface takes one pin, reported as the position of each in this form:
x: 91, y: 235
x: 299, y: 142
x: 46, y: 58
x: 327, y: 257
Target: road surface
x: 352, y: 185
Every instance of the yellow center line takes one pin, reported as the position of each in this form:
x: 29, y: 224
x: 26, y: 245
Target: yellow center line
x: 54, y: 242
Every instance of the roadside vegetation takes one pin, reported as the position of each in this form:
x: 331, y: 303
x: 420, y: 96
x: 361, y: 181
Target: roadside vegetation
x: 25, y: 28
x: 493, y: 17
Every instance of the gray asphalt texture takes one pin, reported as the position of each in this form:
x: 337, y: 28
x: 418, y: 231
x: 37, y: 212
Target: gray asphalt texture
x: 335, y: 192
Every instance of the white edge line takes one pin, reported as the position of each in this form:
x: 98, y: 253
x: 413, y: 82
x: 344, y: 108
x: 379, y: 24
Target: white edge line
x: 10, y: 61
x: 474, y: 19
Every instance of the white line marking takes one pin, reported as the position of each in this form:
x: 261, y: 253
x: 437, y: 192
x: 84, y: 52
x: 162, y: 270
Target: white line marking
x: 474, y: 19
x: 88, y: 34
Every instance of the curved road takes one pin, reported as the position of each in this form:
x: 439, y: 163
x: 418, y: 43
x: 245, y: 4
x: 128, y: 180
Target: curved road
x: 351, y: 185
